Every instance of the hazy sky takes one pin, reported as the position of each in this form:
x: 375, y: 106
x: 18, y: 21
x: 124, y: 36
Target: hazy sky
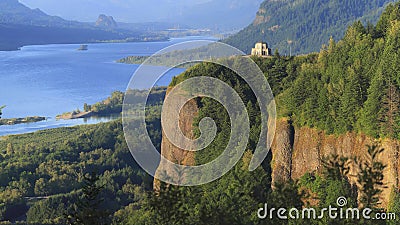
x: 122, y: 10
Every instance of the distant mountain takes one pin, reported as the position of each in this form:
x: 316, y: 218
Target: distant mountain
x: 305, y: 24
x: 14, y: 36
x: 221, y: 14
x: 20, y: 25
x: 106, y: 22
x: 13, y: 12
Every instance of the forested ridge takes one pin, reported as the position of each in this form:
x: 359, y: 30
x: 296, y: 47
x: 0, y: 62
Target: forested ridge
x: 43, y: 173
x: 306, y: 24
x: 354, y: 84
x: 349, y: 86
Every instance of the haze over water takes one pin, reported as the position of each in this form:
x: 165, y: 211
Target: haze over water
x: 48, y: 80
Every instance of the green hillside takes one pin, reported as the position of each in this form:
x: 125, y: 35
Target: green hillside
x: 351, y: 85
x: 308, y: 24
x: 13, y: 12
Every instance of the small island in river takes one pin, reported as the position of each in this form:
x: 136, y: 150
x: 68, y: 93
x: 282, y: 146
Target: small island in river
x: 83, y: 48
x: 14, y: 121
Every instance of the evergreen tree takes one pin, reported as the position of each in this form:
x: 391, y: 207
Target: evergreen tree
x: 390, y: 112
x: 390, y: 61
x: 285, y: 195
x: 335, y: 184
x: 394, y: 205
x: 10, y: 149
x: 88, y: 210
x: 174, y: 205
x: 359, y: 27
x: 350, y: 102
x: 370, y: 114
x: 1, y: 107
x: 87, y: 107
x: 325, y: 121
x: 370, y: 178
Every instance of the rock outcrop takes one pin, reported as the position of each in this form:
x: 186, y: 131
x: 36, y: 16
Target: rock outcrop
x: 298, y: 151
x: 261, y: 17
x: 106, y: 22
x: 282, y: 152
x: 168, y: 150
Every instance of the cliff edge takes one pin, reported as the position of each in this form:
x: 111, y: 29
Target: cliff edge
x: 297, y: 151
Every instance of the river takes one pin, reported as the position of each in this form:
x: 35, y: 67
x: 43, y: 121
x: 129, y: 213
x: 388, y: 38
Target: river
x: 47, y: 80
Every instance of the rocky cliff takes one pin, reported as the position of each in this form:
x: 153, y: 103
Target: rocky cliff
x: 168, y: 150
x: 106, y: 22
x: 297, y: 151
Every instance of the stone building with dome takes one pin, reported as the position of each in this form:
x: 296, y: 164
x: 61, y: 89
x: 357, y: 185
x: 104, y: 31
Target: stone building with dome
x: 261, y: 49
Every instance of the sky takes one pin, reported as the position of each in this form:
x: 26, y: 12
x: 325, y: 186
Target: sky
x: 122, y: 10
x: 213, y: 14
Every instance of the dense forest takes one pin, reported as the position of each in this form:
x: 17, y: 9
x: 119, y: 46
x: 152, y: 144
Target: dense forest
x: 304, y: 26
x: 113, y: 104
x: 351, y: 85
x: 86, y: 175
x: 43, y: 173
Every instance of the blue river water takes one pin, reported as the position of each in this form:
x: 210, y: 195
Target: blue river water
x: 47, y: 80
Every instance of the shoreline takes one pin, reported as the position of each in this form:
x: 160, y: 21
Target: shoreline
x: 19, y: 47
x: 72, y: 116
x: 16, y: 121
x: 50, y: 124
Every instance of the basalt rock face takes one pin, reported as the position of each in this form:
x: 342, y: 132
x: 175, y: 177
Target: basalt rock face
x: 301, y: 150
x: 296, y: 151
x: 282, y: 149
x: 171, y: 152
